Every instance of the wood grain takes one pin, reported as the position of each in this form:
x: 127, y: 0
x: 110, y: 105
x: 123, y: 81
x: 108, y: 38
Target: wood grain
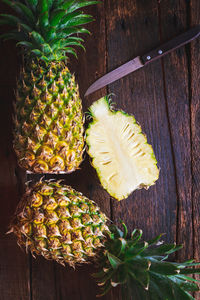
x: 176, y: 74
x: 14, y: 264
x: 133, y: 29
x: 195, y: 130
x: 14, y: 271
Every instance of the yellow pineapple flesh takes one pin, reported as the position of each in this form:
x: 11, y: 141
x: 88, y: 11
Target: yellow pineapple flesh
x: 120, y: 152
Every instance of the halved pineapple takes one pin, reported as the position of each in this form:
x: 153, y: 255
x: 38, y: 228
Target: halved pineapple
x: 120, y: 153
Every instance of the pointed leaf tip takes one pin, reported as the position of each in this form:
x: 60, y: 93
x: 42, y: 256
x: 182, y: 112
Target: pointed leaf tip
x: 114, y: 261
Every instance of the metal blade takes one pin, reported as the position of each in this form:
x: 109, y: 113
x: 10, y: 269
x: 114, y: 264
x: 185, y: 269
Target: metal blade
x: 116, y: 74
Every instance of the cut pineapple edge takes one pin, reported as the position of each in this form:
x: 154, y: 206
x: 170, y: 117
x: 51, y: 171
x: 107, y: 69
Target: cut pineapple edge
x: 123, y: 159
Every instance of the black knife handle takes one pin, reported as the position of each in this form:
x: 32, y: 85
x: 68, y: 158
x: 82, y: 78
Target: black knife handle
x: 173, y: 44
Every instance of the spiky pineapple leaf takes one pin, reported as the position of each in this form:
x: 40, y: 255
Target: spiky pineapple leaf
x: 142, y: 270
x: 42, y: 9
x: 78, y: 20
x: 9, y: 19
x: 164, y: 268
x: 135, y: 236
x: 155, y: 240
x: 56, y: 16
x: 114, y: 261
x: 71, y: 51
x: 72, y: 30
x: 46, y: 23
x: 32, y: 4
x: 25, y: 44
x: 78, y: 5
x: 185, y: 284
x: 67, y: 4
x: 37, y: 39
x: 23, y: 11
x: 183, y: 277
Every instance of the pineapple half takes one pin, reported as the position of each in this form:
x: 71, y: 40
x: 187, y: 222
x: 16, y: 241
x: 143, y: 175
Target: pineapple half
x: 120, y: 153
x: 60, y: 223
x: 48, y: 134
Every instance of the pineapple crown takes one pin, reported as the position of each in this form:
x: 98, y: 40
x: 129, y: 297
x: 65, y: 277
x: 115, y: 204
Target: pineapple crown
x: 142, y: 270
x: 46, y: 28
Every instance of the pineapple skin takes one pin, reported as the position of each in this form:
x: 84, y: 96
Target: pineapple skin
x: 48, y: 133
x: 59, y: 223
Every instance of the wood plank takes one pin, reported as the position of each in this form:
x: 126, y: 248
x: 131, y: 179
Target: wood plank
x: 42, y: 279
x: 195, y: 129
x: 133, y: 29
x: 14, y: 271
x: 14, y: 264
x: 176, y: 78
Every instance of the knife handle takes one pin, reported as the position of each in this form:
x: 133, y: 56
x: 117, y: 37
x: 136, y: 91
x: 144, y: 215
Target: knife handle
x: 171, y: 45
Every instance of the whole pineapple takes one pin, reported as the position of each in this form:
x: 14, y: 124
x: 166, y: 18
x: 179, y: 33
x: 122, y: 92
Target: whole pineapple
x: 59, y: 223
x: 48, y: 112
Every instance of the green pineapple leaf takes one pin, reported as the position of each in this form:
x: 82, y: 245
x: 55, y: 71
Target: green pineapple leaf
x: 78, y: 5
x: 42, y: 9
x: 56, y: 16
x: 9, y: 19
x: 141, y: 269
x: 114, y: 261
x: 32, y: 4
x: 47, y: 26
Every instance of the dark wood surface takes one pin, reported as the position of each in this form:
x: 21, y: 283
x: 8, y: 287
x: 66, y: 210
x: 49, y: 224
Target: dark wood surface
x: 163, y: 96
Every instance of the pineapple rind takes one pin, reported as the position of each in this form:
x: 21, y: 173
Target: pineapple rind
x: 119, y: 173
x: 49, y: 120
x: 57, y: 222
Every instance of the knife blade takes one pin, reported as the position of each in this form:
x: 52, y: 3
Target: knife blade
x: 141, y: 61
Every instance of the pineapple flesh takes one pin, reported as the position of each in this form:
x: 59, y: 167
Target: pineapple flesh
x: 57, y: 222
x: 48, y: 133
x: 120, y: 153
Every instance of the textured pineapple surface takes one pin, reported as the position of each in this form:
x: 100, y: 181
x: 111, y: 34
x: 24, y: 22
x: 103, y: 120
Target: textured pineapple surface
x: 59, y: 223
x: 120, y: 153
x: 48, y: 120
x: 48, y: 135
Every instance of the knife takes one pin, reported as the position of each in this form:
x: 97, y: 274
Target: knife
x: 141, y: 61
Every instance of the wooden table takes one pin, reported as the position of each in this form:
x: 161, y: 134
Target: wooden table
x: 164, y: 97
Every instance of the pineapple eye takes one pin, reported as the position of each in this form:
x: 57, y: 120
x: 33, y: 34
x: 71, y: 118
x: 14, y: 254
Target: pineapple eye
x: 57, y: 163
x: 50, y: 203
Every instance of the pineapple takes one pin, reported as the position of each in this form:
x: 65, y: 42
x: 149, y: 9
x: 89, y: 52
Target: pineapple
x: 59, y: 223
x: 48, y: 133
x: 120, y: 153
